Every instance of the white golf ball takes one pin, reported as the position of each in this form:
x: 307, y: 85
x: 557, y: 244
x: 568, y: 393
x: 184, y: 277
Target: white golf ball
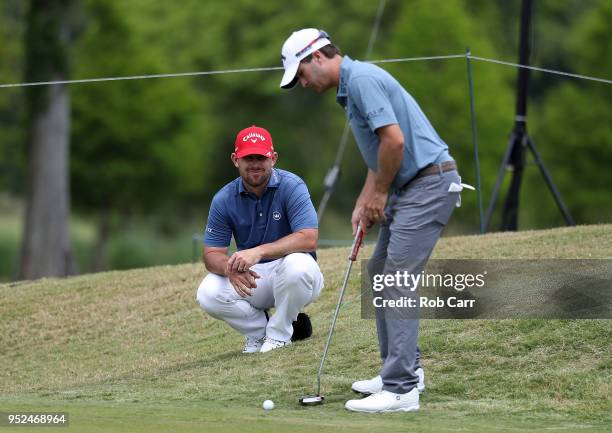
x: 268, y: 405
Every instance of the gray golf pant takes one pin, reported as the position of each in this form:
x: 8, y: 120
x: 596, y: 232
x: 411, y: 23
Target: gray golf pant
x: 416, y: 216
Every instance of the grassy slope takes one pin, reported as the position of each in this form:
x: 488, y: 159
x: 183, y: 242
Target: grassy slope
x: 131, y: 351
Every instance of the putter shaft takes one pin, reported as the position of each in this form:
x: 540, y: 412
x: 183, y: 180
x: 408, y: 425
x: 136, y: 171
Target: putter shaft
x: 354, y: 250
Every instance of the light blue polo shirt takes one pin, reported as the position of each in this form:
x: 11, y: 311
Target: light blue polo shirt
x: 284, y: 208
x: 372, y: 98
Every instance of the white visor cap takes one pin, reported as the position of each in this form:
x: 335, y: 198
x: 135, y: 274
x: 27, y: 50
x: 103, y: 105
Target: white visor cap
x: 297, y: 47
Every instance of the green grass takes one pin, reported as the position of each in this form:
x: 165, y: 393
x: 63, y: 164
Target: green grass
x: 132, y: 351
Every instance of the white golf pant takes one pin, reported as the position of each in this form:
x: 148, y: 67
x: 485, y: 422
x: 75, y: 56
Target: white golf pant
x: 288, y: 284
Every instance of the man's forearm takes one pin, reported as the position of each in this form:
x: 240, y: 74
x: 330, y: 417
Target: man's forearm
x: 299, y: 242
x: 390, y: 154
x: 216, y: 262
x: 367, y: 190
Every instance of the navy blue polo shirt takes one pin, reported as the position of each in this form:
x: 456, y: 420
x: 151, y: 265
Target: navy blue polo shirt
x: 284, y: 208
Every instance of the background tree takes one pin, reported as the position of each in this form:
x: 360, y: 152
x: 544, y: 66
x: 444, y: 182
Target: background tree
x: 572, y: 121
x: 46, y: 249
x: 12, y: 156
x: 138, y: 146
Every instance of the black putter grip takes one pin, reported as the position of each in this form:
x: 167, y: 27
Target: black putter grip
x: 356, y: 244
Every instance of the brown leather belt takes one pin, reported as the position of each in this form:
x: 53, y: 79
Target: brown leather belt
x: 435, y: 169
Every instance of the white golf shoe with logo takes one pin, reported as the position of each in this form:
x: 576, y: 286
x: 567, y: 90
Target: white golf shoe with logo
x: 253, y: 344
x: 374, y: 385
x: 385, y: 401
x: 271, y: 344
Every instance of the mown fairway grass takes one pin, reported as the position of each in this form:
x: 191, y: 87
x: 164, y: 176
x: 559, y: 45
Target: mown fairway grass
x: 131, y: 351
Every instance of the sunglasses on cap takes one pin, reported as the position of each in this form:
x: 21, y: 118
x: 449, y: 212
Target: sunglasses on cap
x: 322, y: 35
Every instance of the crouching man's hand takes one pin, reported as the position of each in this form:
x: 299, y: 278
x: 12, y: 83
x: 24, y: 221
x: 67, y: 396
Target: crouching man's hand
x: 241, y: 261
x: 243, y: 282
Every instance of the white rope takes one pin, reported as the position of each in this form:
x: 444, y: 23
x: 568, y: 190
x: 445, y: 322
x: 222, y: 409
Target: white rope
x: 550, y: 71
x: 236, y: 71
x: 143, y: 77
x: 413, y: 59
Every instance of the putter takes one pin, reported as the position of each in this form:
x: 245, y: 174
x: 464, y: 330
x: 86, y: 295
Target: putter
x: 313, y: 400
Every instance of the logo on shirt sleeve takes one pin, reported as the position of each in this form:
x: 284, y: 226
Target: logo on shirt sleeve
x: 276, y: 215
x: 376, y: 112
x: 209, y: 230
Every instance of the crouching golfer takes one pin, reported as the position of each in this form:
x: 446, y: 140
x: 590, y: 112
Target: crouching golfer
x: 274, y: 224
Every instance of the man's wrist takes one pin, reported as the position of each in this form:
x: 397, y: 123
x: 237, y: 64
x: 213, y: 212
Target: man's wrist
x: 260, y: 250
x: 381, y: 188
x: 365, y: 198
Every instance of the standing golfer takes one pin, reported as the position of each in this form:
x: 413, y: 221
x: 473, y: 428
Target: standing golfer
x: 406, y: 190
x: 274, y: 224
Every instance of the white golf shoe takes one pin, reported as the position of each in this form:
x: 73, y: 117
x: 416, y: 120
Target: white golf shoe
x: 374, y: 385
x: 253, y: 344
x: 385, y: 401
x: 368, y: 386
x: 271, y: 344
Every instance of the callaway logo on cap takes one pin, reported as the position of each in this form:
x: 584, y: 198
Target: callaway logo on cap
x: 296, y: 48
x: 253, y: 141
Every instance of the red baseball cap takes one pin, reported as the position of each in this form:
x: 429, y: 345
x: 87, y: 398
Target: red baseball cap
x: 254, y: 141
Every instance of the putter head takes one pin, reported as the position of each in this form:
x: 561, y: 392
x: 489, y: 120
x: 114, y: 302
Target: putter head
x: 312, y: 400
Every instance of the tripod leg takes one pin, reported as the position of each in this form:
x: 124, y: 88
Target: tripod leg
x: 517, y: 160
x: 551, y: 185
x: 498, y: 182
